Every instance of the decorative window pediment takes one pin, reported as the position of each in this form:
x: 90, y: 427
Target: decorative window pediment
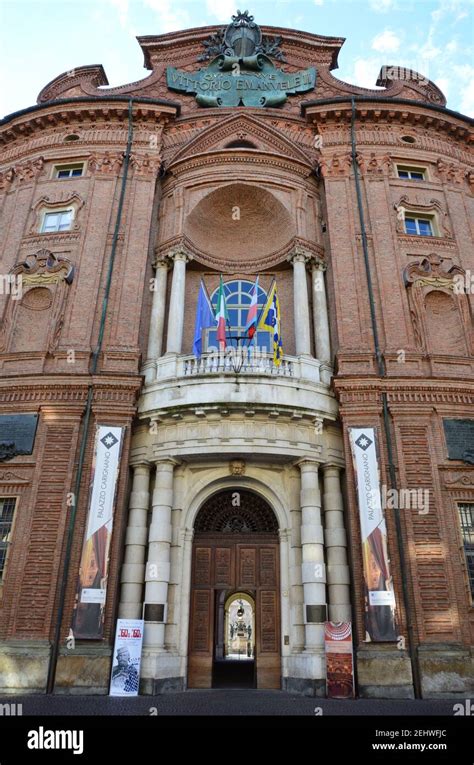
x: 61, y: 202
x: 432, y: 210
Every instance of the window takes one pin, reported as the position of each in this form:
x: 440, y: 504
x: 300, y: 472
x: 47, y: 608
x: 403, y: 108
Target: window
x: 57, y: 221
x: 411, y: 173
x: 419, y: 226
x: 238, y: 295
x: 69, y: 171
x: 7, y: 509
x: 466, y: 517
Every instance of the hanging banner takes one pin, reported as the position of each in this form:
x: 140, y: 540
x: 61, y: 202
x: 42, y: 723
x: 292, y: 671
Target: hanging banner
x: 339, y: 660
x: 379, y: 595
x: 88, y: 615
x: 125, y: 676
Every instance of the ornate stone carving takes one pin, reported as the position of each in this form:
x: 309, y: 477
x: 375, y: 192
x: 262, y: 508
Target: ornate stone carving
x: 337, y: 165
x: 56, y: 202
x: 105, y: 163
x: 449, y: 172
x: 237, y: 467
x: 421, y: 278
x: 44, y: 267
x: 145, y: 165
x: 434, y: 205
x: 229, y: 42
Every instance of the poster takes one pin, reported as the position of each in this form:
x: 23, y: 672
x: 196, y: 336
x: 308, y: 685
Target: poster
x: 125, y: 675
x: 379, y: 595
x: 339, y: 660
x: 88, y: 614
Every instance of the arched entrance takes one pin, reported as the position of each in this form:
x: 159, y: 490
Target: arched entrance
x: 234, y: 635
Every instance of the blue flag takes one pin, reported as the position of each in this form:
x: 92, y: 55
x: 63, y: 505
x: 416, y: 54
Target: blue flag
x: 204, y: 318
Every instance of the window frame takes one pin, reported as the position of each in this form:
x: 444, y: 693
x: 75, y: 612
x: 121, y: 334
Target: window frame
x: 467, y: 555
x: 429, y: 218
x: 239, y: 306
x: 8, y: 544
x: 68, y: 166
x: 412, y: 169
x: 62, y: 211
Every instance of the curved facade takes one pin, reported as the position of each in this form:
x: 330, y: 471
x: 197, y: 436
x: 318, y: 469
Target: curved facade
x: 114, y: 205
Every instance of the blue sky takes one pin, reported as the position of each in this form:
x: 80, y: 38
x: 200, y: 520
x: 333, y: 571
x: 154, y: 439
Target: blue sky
x: 40, y: 39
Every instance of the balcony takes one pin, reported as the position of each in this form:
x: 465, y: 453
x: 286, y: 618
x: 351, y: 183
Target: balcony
x: 237, y: 381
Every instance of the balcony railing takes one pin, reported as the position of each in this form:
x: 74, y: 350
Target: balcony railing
x: 236, y: 363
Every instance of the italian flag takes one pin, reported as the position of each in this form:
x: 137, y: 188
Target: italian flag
x: 221, y: 316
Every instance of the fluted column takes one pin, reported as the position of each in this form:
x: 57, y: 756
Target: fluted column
x: 133, y: 569
x: 299, y: 259
x: 320, y: 313
x: 312, y: 566
x: 157, y: 574
x: 336, y: 547
x: 176, y: 310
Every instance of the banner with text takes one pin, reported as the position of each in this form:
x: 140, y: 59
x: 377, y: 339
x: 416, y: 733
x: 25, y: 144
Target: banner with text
x: 379, y: 594
x: 88, y: 615
x: 339, y: 660
x: 125, y: 676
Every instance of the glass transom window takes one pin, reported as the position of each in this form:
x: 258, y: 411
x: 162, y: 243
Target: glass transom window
x: 238, y: 295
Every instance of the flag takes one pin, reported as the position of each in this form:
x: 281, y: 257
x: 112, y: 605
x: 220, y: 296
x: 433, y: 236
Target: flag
x: 270, y: 321
x: 221, y: 317
x: 204, y: 318
x: 251, y: 327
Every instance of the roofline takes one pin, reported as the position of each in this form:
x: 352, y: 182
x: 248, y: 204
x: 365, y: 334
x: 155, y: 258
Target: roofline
x: 88, y: 99
x: 385, y: 100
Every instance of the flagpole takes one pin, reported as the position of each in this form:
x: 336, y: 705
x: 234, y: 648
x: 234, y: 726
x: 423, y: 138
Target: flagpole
x: 263, y: 307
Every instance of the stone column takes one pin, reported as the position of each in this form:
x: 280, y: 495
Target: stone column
x: 133, y: 569
x: 176, y: 310
x: 312, y: 565
x: 300, y: 302
x: 157, y: 575
x: 157, y: 320
x: 336, y: 547
x: 320, y: 313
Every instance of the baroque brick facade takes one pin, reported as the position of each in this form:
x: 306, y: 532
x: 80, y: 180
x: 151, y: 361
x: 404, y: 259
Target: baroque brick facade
x: 291, y: 175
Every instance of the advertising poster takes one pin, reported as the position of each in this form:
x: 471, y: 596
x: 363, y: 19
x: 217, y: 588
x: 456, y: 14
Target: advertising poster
x: 125, y: 675
x: 339, y: 660
x: 88, y: 615
x: 379, y: 594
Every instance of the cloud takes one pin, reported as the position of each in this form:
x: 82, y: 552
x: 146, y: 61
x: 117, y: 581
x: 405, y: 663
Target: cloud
x: 365, y: 72
x: 222, y: 10
x: 386, y: 42
x: 381, y: 6
x: 170, y: 19
x: 318, y: 2
x: 467, y: 100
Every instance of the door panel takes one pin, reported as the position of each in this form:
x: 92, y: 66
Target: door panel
x: 231, y: 564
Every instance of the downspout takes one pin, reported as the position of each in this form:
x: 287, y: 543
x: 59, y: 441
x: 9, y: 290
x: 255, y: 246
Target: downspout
x: 87, y: 413
x: 386, y: 418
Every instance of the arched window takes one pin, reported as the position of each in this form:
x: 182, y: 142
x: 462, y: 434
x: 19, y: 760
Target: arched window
x: 238, y: 295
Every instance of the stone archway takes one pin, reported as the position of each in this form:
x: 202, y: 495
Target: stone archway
x: 235, y: 553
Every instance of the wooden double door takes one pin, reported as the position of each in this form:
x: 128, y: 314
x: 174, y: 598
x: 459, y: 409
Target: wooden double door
x: 223, y: 564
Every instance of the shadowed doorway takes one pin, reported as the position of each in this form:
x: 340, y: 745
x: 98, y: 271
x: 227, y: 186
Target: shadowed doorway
x: 234, y: 636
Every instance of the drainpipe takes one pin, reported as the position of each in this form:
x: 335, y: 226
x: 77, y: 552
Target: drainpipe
x: 87, y: 414
x: 386, y: 418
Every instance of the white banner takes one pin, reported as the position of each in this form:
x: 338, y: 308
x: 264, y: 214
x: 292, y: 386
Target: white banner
x: 105, y: 477
x: 379, y: 595
x: 125, y: 676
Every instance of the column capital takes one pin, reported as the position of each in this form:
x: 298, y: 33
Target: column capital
x: 179, y: 253
x: 140, y: 463
x: 161, y: 262
x: 318, y: 264
x: 167, y: 461
x: 299, y: 255
x: 310, y: 463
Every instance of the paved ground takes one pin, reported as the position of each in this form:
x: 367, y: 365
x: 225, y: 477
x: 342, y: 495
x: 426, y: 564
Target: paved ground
x: 226, y: 702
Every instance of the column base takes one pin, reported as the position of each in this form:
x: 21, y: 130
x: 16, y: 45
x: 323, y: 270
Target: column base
x: 305, y: 673
x: 446, y: 670
x: 383, y: 672
x: 161, y: 672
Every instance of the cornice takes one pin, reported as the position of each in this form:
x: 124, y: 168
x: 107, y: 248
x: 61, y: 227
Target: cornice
x: 64, y: 112
x: 247, y: 157
x: 228, y: 265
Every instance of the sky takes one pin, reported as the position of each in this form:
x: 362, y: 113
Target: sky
x: 40, y: 39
